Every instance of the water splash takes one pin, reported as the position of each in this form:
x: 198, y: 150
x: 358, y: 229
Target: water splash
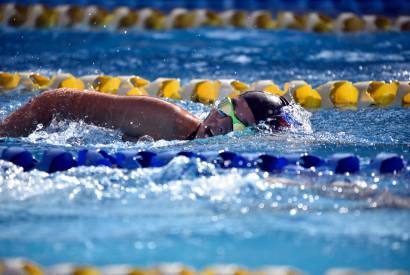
x: 297, y: 117
x: 80, y: 134
x: 71, y: 134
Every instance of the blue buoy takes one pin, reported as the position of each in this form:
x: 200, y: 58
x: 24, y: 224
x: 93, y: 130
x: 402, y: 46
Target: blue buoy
x: 127, y: 160
x: 190, y: 154
x: 345, y: 163
x: 388, y: 163
x: 232, y: 160
x: 107, y: 156
x: 271, y: 163
x: 151, y: 159
x: 56, y: 160
x: 19, y: 156
x: 93, y: 158
x: 309, y: 161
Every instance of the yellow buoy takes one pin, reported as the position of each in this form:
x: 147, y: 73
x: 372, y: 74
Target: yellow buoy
x: 303, y: 94
x: 170, y: 89
x: 106, y: 84
x: 383, y: 94
x: 47, y: 19
x: 344, y: 95
x: 85, y: 271
x: 9, y: 81
x: 32, y: 269
x: 206, y: 92
x: 72, y: 82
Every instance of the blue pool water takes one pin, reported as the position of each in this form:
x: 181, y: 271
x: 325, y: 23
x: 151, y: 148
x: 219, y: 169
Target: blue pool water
x: 192, y: 212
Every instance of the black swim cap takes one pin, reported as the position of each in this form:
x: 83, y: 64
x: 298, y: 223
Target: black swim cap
x: 264, y: 105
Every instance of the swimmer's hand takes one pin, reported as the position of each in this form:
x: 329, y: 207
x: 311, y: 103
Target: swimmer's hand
x: 135, y: 116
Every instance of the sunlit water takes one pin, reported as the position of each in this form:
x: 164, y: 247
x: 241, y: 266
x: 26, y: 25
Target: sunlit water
x: 193, y: 212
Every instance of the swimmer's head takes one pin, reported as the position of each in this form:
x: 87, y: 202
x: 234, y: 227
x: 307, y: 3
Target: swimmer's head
x: 254, y: 107
x: 248, y: 109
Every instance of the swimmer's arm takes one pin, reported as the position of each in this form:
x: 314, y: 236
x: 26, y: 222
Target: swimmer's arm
x: 135, y: 116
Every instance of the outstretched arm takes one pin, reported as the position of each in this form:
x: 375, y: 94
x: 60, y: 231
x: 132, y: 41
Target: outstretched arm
x: 135, y: 116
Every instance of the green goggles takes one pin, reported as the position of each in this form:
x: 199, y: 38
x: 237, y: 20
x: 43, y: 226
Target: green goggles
x: 226, y: 106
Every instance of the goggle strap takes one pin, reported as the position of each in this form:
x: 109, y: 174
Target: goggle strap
x: 236, y: 123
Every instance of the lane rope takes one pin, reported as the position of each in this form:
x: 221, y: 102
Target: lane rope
x: 337, y: 93
x: 54, y: 160
x: 14, y: 266
x: 124, y: 18
x: 22, y: 266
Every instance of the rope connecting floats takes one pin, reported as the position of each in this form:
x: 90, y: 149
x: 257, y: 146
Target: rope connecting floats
x: 340, y: 93
x: 25, y: 267
x: 124, y: 18
x: 54, y: 160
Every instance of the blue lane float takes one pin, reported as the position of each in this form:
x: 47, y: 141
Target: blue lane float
x: 344, y: 163
x: 19, y: 156
x: 230, y: 160
x: 54, y: 160
x: 93, y: 158
x: 388, y: 163
x: 271, y: 163
x: 125, y: 160
x: 309, y: 161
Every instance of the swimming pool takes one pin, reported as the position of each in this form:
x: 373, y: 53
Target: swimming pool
x: 192, y: 212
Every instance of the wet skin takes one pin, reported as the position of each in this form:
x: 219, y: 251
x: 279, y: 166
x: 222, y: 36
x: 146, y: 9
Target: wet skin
x: 135, y: 116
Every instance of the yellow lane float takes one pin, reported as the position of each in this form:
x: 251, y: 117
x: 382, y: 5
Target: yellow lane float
x: 377, y: 23
x: 349, y: 22
x: 403, y: 95
x: 132, y: 85
x: 267, y: 86
x: 261, y: 20
x: 67, y: 81
x: 231, y: 88
x: 402, y: 23
x: 9, y: 81
x: 19, y: 267
x: 97, y: 17
x: 124, y: 18
x: 234, y: 18
x: 340, y: 94
x: 46, y: 18
x: 290, y: 20
x: 35, y: 81
x: 201, y: 90
x: 165, y: 87
x: 317, y: 22
x: 152, y: 19
x: 209, y: 91
x: 303, y: 94
x: 377, y: 93
x: 180, y: 19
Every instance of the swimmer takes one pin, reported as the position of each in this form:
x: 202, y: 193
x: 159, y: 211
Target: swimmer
x: 137, y: 116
